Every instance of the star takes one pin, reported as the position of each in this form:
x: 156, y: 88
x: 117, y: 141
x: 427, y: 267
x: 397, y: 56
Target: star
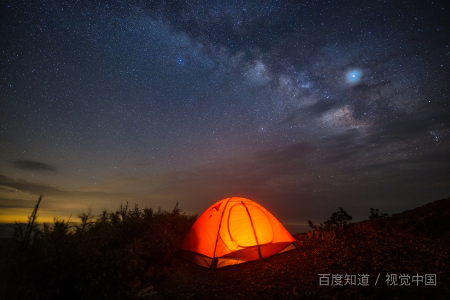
x: 166, y: 102
x: 354, y: 76
x: 180, y: 60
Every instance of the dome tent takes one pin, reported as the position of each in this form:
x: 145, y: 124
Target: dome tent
x: 233, y: 231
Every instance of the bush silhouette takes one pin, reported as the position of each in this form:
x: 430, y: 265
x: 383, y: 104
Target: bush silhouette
x: 97, y: 258
x: 375, y: 214
x: 338, y: 218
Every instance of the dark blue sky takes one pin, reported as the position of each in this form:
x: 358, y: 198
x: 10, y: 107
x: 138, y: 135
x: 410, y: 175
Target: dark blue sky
x: 302, y: 106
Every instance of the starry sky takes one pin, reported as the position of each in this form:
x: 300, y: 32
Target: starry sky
x: 302, y: 106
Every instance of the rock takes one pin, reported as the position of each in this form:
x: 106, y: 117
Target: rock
x: 146, y: 290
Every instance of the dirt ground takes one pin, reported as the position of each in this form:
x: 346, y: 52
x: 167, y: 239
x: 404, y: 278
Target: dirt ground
x: 353, y: 262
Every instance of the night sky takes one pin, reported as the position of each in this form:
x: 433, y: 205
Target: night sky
x: 301, y: 106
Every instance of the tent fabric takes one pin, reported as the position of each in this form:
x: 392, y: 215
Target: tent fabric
x: 233, y: 231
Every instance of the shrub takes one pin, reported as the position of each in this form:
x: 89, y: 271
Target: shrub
x: 375, y: 214
x: 96, y: 259
x: 338, y: 218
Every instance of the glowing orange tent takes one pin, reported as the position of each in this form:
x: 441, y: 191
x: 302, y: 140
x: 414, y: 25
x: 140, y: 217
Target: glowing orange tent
x: 233, y: 231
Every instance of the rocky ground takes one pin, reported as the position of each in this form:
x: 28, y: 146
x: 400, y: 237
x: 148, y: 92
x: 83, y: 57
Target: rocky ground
x: 413, y: 246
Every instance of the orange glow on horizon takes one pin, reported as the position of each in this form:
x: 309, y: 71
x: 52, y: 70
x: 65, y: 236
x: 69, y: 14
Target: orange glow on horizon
x: 20, y: 215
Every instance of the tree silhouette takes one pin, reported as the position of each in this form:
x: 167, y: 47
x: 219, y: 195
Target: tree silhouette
x: 375, y: 214
x: 338, y: 218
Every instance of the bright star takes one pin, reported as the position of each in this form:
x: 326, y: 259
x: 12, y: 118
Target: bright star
x: 354, y: 76
x: 180, y: 60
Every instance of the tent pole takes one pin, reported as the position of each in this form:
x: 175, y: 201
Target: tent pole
x: 215, y: 259
x: 254, y: 231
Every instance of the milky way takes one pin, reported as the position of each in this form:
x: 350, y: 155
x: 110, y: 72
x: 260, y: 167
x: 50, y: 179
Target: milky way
x: 301, y: 106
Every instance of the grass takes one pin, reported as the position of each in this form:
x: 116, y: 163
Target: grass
x: 101, y: 257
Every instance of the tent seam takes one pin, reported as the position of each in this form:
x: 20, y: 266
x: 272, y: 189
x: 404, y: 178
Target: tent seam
x: 220, y: 225
x: 254, y: 230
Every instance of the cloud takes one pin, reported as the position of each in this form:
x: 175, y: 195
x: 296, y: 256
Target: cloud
x: 32, y: 165
x: 366, y: 87
x: 317, y: 109
x: 111, y: 191
x: 265, y: 174
x: 436, y: 162
x: 409, y: 127
x: 29, y: 187
x: 322, y: 106
x: 16, y: 203
x: 21, y: 194
x: 285, y: 160
x: 275, y: 178
x: 345, y: 146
